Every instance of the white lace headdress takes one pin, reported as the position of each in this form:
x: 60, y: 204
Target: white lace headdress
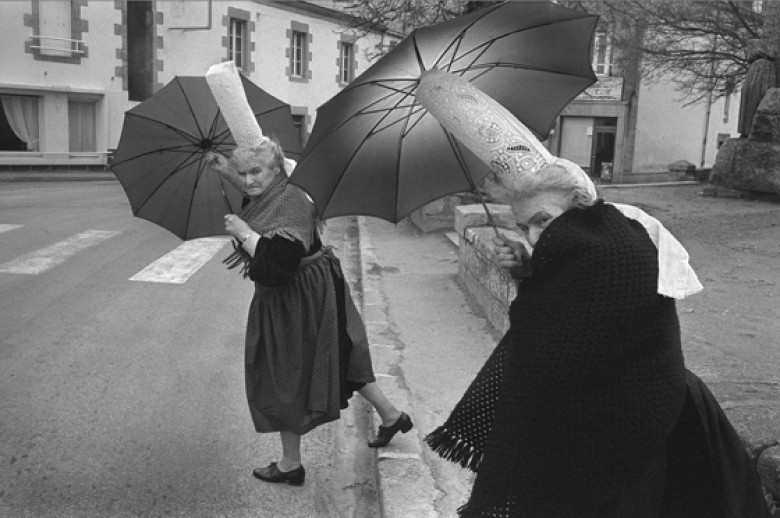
x: 504, y: 143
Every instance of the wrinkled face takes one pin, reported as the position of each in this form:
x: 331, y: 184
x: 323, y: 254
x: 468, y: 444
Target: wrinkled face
x: 534, y: 213
x: 257, y: 179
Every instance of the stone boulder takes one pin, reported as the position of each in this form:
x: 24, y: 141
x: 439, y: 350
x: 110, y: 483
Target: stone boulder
x: 753, y: 164
x: 766, y: 121
x: 748, y: 166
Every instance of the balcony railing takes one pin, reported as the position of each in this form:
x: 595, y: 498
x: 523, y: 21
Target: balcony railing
x: 48, y: 45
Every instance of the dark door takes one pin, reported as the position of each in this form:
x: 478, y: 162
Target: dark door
x: 140, y: 54
x: 603, y: 154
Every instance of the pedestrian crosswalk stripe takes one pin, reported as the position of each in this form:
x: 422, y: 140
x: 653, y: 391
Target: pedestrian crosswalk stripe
x: 181, y: 263
x: 6, y: 228
x: 45, y: 259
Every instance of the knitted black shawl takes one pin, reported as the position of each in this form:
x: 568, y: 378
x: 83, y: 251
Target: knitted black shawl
x: 588, y: 380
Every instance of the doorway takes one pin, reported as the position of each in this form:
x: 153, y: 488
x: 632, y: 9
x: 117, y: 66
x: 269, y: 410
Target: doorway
x: 603, y: 151
x: 589, y: 142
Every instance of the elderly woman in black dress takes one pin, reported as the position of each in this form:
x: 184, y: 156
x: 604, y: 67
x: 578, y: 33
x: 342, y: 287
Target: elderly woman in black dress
x: 306, y: 346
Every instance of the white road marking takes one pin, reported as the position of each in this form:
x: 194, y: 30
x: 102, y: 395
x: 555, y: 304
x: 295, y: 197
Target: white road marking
x: 182, y: 262
x: 44, y: 259
x: 6, y: 228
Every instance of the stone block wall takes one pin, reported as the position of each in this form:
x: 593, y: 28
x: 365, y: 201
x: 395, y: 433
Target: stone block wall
x: 492, y: 287
x: 436, y: 215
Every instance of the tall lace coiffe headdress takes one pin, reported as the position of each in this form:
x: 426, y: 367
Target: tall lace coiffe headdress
x: 228, y: 91
x: 511, y: 150
x: 489, y: 130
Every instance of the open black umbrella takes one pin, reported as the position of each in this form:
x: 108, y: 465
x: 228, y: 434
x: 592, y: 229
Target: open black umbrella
x: 161, y: 157
x: 375, y: 151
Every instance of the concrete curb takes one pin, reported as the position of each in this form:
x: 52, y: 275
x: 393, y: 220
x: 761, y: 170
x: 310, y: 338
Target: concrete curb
x: 406, y: 485
x: 58, y: 176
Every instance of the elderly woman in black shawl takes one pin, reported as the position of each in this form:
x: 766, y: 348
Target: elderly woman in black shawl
x: 306, y: 346
x: 585, y: 409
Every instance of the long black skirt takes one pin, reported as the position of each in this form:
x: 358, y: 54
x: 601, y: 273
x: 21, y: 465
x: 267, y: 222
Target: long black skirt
x: 701, y: 470
x: 306, y: 349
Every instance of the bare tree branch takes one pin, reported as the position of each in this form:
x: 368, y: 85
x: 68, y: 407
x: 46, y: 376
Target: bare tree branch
x: 403, y: 16
x: 700, y: 45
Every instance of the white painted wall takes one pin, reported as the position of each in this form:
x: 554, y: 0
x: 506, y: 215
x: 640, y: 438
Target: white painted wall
x: 666, y: 131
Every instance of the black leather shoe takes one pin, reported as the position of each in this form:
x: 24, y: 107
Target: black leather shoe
x: 272, y: 474
x: 385, y: 435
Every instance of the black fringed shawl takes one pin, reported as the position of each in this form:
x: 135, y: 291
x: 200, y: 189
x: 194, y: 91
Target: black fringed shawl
x: 588, y: 380
x: 281, y: 210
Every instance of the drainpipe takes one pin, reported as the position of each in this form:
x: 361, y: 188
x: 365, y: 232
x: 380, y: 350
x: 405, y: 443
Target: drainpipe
x: 713, y: 69
x: 197, y: 27
x: 706, y: 128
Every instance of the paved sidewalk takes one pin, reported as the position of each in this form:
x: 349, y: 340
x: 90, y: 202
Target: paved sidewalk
x: 428, y: 339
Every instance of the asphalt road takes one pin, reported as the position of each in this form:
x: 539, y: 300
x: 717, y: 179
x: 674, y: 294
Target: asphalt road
x: 125, y: 398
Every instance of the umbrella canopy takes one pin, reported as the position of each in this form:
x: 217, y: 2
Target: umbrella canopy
x: 375, y: 151
x: 161, y: 157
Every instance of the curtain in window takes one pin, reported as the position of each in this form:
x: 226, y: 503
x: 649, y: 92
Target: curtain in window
x: 22, y: 115
x: 81, y: 126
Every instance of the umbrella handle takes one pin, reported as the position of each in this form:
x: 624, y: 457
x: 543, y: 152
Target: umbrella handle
x: 491, y: 220
x: 517, y: 272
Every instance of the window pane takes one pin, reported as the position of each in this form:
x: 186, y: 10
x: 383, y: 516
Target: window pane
x: 601, y: 54
x: 81, y: 121
x: 346, y: 62
x: 20, y: 123
x: 239, y: 44
x: 298, y: 53
x: 236, y: 41
x: 299, y: 122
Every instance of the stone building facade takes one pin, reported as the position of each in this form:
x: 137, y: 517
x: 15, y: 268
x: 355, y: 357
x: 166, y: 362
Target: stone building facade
x: 625, y: 129
x: 69, y: 69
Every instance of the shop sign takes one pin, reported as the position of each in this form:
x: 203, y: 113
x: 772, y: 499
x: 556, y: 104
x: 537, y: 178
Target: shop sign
x: 605, y: 89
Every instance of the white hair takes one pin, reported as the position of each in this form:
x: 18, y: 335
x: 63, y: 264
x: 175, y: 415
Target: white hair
x: 560, y: 175
x: 268, y: 152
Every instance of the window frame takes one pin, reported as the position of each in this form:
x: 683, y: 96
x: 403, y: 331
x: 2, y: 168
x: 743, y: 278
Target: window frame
x: 35, y: 119
x: 93, y: 104
x: 301, y: 121
x: 346, y: 62
x: 243, y: 18
x: 602, y: 58
x: 69, y: 49
x: 237, y: 43
x: 299, y: 52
